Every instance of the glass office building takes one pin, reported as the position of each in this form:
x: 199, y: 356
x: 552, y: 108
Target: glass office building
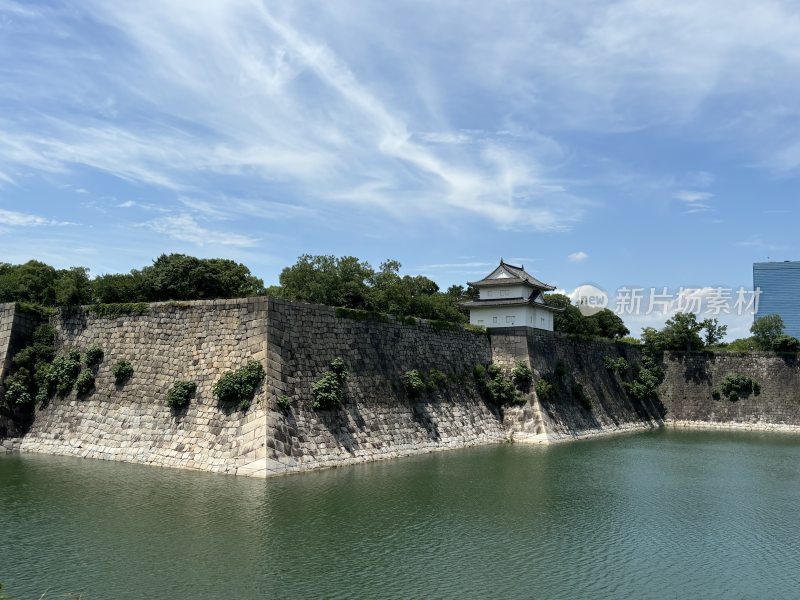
x: 780, y: 292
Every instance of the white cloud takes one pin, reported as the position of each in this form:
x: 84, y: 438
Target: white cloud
x: 18, y: 219
x: 6, y: 178
x: 300, y: 110
x: 185, y: 228
x: 693, y: 196
x: 331, y: 104
x: 578, y: 256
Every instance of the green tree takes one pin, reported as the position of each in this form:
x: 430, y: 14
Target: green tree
x: 742, y: 345
x: 609, y: 324
x: 72, y: 287
x: 786, y: 344
x: 682, y: 333
x: 39, y: 283
x: 604, y: 323
x: 182, y: 277
x: 714, y: 332
x: 328, y: 280
x: 119, y: 287
x: 351, y: 283
x: 766, y: 330
x: 567, y: 320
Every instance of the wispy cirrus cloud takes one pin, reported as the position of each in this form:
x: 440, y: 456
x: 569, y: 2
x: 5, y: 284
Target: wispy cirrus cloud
x: 466, y: 120
x: 19, y: 219
x: 691, y: 196
x: 294, y: 112
x: 184, y: 227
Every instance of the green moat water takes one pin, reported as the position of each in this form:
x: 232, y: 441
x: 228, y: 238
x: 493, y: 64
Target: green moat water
x: 659, y: 515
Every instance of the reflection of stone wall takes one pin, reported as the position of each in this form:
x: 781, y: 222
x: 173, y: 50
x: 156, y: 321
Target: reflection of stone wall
x: 197, y: 341
x: 690, y: 380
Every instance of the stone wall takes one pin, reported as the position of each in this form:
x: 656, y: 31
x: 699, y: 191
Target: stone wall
x: 691, y: 379
x: 202, y: 340
x: 589, y: 399
x: 296, y: 342
x: 16, y: 327
x: 378, y: 419
x: 196, y: 341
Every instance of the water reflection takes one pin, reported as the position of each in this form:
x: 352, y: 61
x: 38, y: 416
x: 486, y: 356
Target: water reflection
x: 665, y: 514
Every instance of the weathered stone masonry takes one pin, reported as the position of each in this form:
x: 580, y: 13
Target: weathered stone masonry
x: 16, y: 328
x: 582, y: 363
x: 200, y: 341
x: 295, y: 342
x: 691, y: 379
x: 197, y: 341
x: 378, y: 419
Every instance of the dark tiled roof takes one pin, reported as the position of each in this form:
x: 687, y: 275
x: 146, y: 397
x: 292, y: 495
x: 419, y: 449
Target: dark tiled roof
x: 519, y: 275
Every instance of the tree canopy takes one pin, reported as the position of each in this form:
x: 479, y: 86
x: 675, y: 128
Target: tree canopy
x: 170, y: 277
x: 39, y: 283
x: 766, y: 330
x: 352, y: 283
x: 682, y: 333
x: 336, y: 281
x: 604, y: 323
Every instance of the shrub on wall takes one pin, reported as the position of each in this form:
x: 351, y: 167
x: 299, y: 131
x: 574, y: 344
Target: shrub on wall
x: 327, y: 390
x: 17, y: 391
x: 93, y: 356
x: 735, y: 386
x: 495, y: 387
x: 122, y: 371
x: 478, y: 329
x: 284, y: 402
x: 616, y: 365
x: 362, y: 315
x: 522, y: 376
x: 479, y: 372
x: 180, y: 394
x: 240, y: 386
x: 545, y: 391
x: 436, y: 378
x: 85, y: 383
x: 786, y: 344
x: 121, y: 309
x: 440, y: 325
x: 23, y: 382
x: 649, y: 376
x: 64, y: 371
x: 414, y: 383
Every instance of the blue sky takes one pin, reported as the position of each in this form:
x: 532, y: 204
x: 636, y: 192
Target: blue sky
x: 632, y: 143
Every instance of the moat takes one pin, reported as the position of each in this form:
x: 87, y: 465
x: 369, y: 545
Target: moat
x: 666, y: 514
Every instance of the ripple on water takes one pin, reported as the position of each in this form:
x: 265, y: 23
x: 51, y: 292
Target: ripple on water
x: 658, y: 515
